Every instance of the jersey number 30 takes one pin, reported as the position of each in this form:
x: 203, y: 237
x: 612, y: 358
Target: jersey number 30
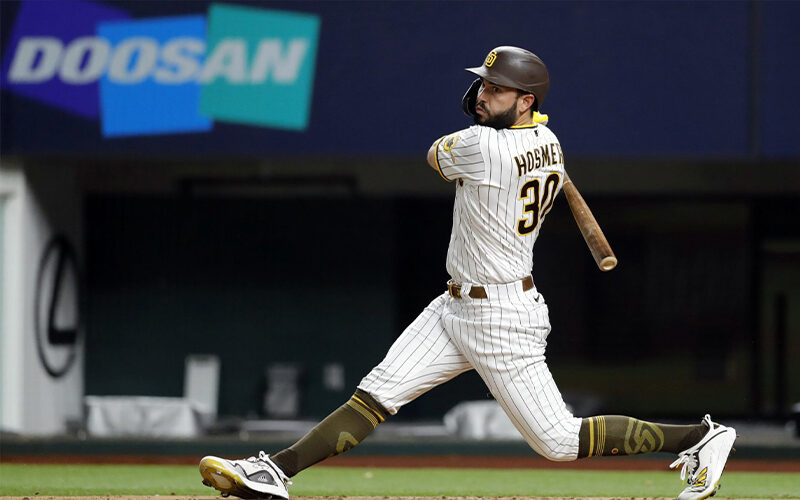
x: 539, y: 204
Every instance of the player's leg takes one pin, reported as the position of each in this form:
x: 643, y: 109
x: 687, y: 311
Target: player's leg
x: 505, y: 338
x: 420, y: 359
x: 269, y: 474
x: 609, y: 435
x: 343, y: 429
x: 505, y: 342
x: 702, y: 449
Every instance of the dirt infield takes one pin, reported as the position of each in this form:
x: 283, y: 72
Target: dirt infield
x: 446, y: 461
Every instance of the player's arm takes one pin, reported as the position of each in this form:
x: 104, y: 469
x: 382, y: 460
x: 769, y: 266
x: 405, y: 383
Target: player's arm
x: 458, y: 156
x: 432, y: 161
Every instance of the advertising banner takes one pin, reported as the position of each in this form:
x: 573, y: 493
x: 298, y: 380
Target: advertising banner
x: 253, y: 78
x: 164, y: 75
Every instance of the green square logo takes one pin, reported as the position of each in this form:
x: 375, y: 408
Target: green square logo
x: 259, y: 67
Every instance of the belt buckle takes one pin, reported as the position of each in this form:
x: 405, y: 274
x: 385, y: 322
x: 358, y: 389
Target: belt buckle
x: 454, y: 289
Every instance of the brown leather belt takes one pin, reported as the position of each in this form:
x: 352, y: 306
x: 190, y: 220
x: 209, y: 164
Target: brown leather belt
x: 479, y: 292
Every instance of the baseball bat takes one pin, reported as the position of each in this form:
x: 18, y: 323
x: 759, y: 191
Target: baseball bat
x: 590, y: 229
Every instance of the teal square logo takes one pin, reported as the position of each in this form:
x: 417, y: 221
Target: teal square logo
x: 259, y: 67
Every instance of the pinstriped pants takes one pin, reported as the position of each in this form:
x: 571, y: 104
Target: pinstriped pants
x: 502, y: 337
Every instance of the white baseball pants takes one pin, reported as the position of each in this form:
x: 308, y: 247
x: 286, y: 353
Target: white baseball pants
x: 502, y: 337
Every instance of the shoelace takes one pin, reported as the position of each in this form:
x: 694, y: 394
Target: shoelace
x: 688, y: 461
x: 262, y: 457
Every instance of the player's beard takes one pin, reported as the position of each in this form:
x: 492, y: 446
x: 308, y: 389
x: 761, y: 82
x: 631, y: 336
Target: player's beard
x: 499, y: 121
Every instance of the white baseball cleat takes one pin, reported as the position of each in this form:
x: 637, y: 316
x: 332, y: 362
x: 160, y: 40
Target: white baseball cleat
x: 705, y: 461
x: 255, y: 477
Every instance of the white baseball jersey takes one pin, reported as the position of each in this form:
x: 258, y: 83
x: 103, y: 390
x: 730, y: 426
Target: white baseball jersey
x: 507, y: 181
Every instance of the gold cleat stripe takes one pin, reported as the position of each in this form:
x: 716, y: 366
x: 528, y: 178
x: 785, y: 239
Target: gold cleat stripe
x: 591, y: 435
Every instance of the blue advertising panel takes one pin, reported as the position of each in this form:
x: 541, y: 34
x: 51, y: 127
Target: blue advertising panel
x: 263, y: 78
x: 139, y: 96
x: 36, y: 65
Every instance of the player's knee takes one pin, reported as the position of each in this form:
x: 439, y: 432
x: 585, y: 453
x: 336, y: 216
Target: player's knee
x: 555, y: 450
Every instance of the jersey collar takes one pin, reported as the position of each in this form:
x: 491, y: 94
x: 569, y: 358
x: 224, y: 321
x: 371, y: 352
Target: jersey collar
x: 537, y: 119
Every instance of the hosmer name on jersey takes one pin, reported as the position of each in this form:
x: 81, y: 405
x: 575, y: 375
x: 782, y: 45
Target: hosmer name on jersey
x: 543, y: 156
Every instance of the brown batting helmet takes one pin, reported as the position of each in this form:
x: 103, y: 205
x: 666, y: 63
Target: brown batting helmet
x: 517, y: 68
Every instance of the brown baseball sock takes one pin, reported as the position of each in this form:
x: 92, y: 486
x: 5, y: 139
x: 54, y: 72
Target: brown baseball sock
x: 617, y: 435
x: 341, y: 430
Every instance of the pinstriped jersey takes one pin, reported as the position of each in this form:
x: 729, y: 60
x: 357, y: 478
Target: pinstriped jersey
x: 506, y: 182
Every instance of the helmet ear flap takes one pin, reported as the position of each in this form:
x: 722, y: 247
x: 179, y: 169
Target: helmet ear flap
x: 471, y: 98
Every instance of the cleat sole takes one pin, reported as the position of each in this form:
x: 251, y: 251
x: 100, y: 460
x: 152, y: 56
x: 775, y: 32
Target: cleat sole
x: 217, y: 476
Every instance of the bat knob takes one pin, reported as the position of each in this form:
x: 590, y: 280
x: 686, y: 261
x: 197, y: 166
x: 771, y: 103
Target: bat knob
x: 608, y: 263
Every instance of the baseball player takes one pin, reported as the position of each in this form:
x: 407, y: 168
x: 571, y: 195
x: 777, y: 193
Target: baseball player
x: 507, y: 169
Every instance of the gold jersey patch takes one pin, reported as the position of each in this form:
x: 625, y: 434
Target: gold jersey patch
x: 447, y: 145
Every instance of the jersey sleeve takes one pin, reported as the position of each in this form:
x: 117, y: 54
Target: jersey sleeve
x: 458, y: 155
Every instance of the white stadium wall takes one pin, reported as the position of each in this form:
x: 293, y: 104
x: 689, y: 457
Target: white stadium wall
x: 41, y: 346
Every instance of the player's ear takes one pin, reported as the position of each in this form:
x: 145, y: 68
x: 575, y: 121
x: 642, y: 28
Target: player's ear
x: 525, y: 103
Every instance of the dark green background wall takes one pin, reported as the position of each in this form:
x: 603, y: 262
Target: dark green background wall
x: 313, y: 280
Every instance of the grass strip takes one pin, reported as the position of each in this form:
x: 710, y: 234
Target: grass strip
x: 165, y: 480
